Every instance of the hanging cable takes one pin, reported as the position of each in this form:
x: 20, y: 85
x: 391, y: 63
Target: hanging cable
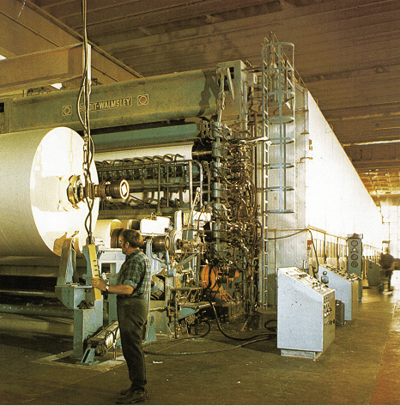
x: 312, y: 242
x: 315, y: 273
x: 83, y: 114
x: 289, y: 235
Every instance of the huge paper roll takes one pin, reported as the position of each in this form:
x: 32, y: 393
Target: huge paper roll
x: 104, y: 229
x: 35, y: 169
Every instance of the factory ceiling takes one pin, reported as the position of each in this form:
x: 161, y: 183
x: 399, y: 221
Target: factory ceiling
x: 347, y: 53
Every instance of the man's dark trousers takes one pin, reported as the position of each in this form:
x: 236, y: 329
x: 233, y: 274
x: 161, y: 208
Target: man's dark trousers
x: 132, y: 317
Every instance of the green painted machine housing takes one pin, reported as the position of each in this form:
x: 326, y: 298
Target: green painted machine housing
x: 165, y: 98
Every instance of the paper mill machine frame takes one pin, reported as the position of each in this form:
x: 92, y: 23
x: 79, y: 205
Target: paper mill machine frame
x: 202, y: 215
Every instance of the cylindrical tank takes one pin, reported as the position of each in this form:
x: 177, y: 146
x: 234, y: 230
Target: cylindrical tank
x: 36, y: 215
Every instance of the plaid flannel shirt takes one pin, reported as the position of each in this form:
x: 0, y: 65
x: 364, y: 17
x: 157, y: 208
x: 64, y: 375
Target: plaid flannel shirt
x: 135, y: 268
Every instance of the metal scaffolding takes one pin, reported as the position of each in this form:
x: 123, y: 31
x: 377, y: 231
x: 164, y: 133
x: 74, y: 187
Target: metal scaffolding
x: 278, y: 70
x: 277, y: 127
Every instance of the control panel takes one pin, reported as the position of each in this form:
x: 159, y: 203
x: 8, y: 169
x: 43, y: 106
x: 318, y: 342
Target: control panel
x: 306, y: 314
x: 345, y: 285
x: 374, y: 273
x: 354, y: 262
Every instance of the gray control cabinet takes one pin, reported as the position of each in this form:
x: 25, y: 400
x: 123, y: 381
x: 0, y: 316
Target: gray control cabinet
x: 306, y: 314
x: 374, y: 273
x: 346, y: 288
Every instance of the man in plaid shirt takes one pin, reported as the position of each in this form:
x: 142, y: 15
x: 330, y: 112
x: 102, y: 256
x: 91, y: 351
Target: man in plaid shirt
x: 133, y: 295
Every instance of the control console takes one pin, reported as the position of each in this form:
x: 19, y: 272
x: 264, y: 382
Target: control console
x: 306, y: 314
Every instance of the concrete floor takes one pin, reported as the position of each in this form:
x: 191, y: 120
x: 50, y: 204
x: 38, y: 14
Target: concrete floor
x: 361, y: 366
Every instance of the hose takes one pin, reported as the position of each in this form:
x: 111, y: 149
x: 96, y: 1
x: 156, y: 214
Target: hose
x: 253, y: 339
x: 268, y: 336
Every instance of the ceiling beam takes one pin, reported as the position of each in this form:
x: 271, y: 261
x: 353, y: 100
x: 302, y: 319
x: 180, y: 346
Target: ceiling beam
x: 26, y: 29
x: 155, y: 12
x: 324, y: 37
x: 41, y: 68
x: 314, y: 21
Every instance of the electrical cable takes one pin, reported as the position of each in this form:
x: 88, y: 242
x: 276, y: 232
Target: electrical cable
x: 268, y: 337
x: 208, y: 331
x: 289, y: 235
x: 316, y: 255
x: 200, y: 335
x: 312, y: 241
x: 270, y: 321
x: 253, y: 339
x: 88, y: 148
x: 205, y: 352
